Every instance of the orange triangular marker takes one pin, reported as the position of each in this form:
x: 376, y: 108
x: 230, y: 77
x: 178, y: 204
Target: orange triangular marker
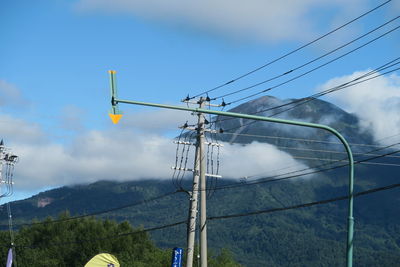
x: 115, y: 117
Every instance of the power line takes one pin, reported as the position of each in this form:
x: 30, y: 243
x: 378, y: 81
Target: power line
x: 172, y: 193
x: 303, y: 101
x: 298, y: 139
x: 106, y: 238
x: 385, y: 66
x: 342, y: 86
x: 314, y: 69
x: 274, y: 179
x: 338, y: 160
x: 307, y: 63
x: 174, y: 178
x: 329, y: 151
x: 334, y: 90
x: 258, y: 181
x: 293, y: 51
x: 327, y: 164
x: 321, y: 202
x: 310, y: 204
x: 100, y: 212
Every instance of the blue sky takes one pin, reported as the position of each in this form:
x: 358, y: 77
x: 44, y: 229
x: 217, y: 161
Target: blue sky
x: 55, y: 55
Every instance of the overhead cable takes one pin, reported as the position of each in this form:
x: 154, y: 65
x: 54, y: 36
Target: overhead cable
x: 304, y: 205
x: 293, y: 51
x: 302, y: 173
x: 302, y: 101
x: 314, y: 69
x: 213, y: 218
x: 307, y: 63
x: 145, y: 201
x: 385, y: 66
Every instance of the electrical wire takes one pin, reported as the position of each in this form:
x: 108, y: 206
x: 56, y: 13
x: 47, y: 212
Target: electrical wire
x: 296, y: 139
x: 307, y: 63
x: 81, y: 241
x: 145, y: 201
x: 293, y: 51
x: 304, y: 205
x: 303, y: 101
x: 211, y: 218
x: 329, y: 151
x: 186, y: 161
x: 338, y: 160
x: 176, y: 157
x: 334, y: 90
x: 353, y: 82
x: 324, y: 164
x: 385, y: 66
x: 300, y: 139
x: 302, y: 173
x: 314, y: 69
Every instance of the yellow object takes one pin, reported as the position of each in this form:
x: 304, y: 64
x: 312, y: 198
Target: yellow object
x: 103, y: 260
x: 112, y: 71
x: 115, y: 117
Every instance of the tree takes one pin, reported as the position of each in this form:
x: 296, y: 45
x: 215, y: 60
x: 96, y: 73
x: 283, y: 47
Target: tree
x: 74, y: 242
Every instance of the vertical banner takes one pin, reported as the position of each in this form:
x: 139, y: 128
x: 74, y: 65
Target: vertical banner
x: 9, y: 258
x: 177, y: 257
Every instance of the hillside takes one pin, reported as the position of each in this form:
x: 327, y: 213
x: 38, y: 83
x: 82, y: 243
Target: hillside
x: 312, y: 236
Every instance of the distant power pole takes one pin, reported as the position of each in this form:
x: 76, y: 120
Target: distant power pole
x: 6, y: 176
x: 7, y: 162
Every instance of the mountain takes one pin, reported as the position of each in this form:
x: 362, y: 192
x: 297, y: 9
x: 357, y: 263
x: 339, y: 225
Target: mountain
x: 315, y: 111
x: 309, y: 236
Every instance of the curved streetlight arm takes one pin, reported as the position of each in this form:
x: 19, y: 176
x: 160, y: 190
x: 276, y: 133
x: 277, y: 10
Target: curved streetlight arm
x: 350, y: 219
x: 350, y: 230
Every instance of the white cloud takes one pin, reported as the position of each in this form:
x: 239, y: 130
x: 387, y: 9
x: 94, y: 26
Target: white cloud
x: 257, y: 159
x: 272, y: 20
x: 111, y: 155
x: 376, y: 102
x: 20, y: 131
x: 119, y: 154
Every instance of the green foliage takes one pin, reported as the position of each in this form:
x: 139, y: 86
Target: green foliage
x: 224, y: 259
x: 75, y: 242
x: 314, y: 236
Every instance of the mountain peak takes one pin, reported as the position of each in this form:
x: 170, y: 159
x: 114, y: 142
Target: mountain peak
x: 311, y: 110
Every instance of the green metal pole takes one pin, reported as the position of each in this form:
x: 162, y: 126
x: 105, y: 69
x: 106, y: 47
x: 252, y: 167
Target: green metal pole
x: 113, y: 88
x: 350, y: 219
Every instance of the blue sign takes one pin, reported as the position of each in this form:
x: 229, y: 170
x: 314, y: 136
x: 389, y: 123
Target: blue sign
x: 177, y: 257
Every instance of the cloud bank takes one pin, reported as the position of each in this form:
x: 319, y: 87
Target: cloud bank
x: 122, y: 153
x: 376, y: 103
x: 273, y: 20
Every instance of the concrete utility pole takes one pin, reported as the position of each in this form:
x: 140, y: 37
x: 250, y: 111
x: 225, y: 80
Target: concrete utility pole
x: 203, y: 192
x: 198, y: 174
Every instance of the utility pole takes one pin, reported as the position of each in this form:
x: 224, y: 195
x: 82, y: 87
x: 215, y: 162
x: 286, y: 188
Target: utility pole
x: 198, y: 176
x: 8, y: 160
x: 203, y: 192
